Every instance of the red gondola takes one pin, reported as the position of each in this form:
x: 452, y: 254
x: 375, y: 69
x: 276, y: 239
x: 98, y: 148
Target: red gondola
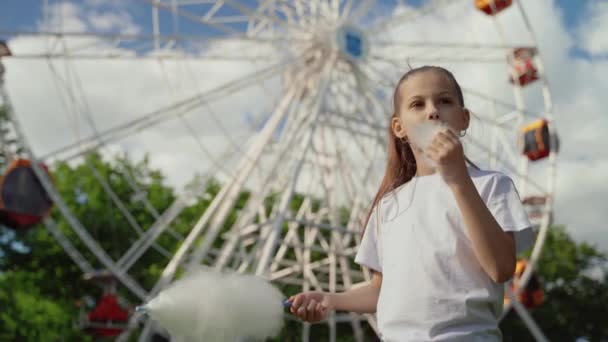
x: 23, y: 201
x: 109, y: 318
x: 492, y: 7
x: 523, y: 71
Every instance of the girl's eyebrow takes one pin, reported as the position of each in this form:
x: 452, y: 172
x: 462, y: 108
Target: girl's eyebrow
x: 418, y: 97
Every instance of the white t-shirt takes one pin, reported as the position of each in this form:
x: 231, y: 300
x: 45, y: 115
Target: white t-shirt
x: 433, y: 287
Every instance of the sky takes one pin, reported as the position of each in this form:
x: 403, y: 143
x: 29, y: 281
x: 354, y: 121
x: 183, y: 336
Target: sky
x: 571, y: 37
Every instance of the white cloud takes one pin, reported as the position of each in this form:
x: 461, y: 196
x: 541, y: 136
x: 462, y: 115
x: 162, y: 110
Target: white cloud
x: 118, y: 21
x: 592, y: 32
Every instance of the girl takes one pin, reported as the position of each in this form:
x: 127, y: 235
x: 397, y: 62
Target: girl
x: 441, y: 237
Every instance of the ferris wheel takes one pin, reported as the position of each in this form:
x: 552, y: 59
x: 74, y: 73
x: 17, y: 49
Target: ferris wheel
x: 277, y: 99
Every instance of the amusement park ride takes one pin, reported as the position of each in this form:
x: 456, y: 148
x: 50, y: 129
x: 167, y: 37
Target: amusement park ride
x: 27, y: 193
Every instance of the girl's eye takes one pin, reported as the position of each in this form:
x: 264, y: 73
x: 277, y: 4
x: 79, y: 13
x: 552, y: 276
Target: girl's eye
x: 417, y: 104
x: 445, y: 100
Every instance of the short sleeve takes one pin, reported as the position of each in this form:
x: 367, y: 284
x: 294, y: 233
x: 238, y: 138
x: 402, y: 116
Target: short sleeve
x: 506, y: 206
x: 368, y: 252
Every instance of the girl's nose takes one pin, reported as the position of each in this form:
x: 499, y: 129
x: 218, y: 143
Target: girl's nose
x: 433, y: 113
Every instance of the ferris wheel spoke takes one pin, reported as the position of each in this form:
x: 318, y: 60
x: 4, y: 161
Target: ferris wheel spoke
x: 219, y: 203
x: 429, y: 7
x: 156, y: 57
x: 164, y: 221
x: 74, y: 223
x: 125, y: 40
x: 212, y: 232
x: 252, y: 14
x: 501, y: 103
x: 270, y: 243
x: 169, y: 112
x: 511, y: 164
x: 275, y: 179
x: 452, y: 57
x: 67, y: 246
x: 208, y: 19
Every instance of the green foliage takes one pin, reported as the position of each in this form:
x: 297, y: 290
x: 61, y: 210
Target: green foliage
x: 35, y: 256
x: 28, y: 315
x: 575, y: 302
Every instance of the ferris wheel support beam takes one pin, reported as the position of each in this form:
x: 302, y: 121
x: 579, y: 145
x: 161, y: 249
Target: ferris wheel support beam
x: 254, y: 205
x: 270, y: 244
x: 290, y: 235
x: 82, y: 233
x: 249, y: 163
x: 103, y: 182
x: 244, y: 169
x: 292, y: 130
x: 247, y: 216
x: 279, y: 184
x: 336, y: 245
x: 67, y: 246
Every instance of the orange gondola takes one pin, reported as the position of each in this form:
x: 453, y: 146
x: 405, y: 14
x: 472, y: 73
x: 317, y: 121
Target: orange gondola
x: 532, y: 295
x: 535, y: 140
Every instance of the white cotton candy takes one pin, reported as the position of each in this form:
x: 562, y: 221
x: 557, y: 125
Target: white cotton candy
x: 422, y: 134
x: 214, y: 306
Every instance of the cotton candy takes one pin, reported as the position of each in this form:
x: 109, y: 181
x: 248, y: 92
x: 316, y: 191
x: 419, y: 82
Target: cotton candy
x: 214, y: 306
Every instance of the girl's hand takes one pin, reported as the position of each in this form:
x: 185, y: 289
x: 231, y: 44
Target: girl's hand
x: 446, y: 150
x: 312, y: 307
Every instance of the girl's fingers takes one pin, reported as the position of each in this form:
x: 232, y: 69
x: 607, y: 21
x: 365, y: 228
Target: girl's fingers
x: 302, y: 313
x: 312, y: 305
x: 444, y: 140
x: 453, y: 135
x: 320, y: 311
x: 310, y: 310
x: 432, y: 152
x: 297, y: 302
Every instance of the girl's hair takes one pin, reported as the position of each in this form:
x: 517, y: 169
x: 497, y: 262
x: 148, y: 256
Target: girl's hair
x: 401, y: 164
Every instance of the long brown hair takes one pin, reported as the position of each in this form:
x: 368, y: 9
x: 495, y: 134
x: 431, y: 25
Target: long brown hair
x: 401, y: 163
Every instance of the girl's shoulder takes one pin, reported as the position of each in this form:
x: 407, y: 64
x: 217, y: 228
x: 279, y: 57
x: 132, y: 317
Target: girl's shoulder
x: 490, y: 183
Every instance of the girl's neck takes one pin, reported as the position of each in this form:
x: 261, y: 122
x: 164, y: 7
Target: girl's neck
x: 425, y: 170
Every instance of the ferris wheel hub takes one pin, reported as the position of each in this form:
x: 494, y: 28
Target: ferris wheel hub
x: 352, y: 43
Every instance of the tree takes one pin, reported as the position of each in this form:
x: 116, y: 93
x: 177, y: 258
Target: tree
x: 575, y: 301
x: 35, y: 269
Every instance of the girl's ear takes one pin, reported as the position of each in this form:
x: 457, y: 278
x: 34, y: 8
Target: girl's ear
x: 397, y: 127
x: 466, y: 117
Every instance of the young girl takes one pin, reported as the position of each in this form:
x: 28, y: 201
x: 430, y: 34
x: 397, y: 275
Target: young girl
x: 441, y: 237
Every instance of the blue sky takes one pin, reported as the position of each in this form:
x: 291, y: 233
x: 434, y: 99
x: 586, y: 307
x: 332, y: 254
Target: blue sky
x: 23, y: 15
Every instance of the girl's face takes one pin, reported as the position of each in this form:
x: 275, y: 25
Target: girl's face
x: 428, y: 95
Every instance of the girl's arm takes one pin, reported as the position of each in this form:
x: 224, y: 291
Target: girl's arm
x: 493, y: 247
x: 314, y: 306
x: 363, y: 299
